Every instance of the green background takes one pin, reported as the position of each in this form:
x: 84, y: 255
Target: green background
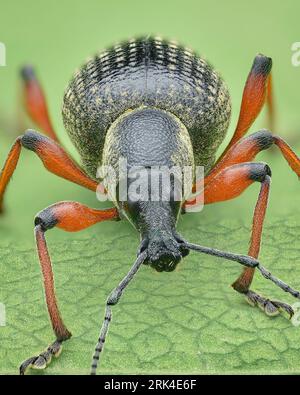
x: 188, y: 321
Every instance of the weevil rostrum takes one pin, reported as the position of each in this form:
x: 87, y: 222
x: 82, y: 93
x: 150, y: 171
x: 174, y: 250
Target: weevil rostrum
x: 157, y: 104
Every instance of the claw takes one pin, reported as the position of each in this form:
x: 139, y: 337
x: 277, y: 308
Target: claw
x: 26, y: 365
x: 284, y: 307
x: 270, y: 307
x: 43, y: 360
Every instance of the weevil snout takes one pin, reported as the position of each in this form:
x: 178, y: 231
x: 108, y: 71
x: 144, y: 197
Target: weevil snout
x: 164, y: 251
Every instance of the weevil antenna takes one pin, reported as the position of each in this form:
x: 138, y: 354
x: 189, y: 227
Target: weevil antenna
x: 113, y: 299
x: 245, y: 260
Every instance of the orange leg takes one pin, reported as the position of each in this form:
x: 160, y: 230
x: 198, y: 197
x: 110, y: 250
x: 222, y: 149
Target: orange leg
x: 229, y: 183
x: 35, y: 102
x: 54, y: 158
x: 71, y: 217
x: 246, y: 149
x: 258, y: 89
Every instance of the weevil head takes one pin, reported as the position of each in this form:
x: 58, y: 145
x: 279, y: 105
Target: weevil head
x: 164, y: 250
x: 156, y: 222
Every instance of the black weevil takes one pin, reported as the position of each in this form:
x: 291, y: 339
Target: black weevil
x: 154, y: 103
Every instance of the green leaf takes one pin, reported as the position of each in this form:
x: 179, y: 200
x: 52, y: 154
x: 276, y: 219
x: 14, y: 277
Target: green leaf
x: 187, y: 321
